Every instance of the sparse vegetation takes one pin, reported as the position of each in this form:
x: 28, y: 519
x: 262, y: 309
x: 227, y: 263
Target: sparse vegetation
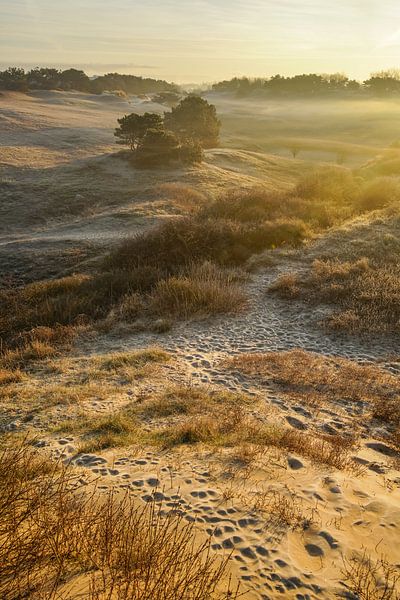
x: 162, y: 265
x: 72, y: 382
x: 369, y: 579
x: 316, y: 379
x: 367, y: 295
x: 60, y: 535
x: 234, y: 427
x: 192, y: 415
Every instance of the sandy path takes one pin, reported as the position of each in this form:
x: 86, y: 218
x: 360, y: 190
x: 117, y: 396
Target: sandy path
x: 268, y: 324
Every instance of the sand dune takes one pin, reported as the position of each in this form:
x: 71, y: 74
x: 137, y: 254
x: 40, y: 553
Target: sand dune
x: 288, y: 521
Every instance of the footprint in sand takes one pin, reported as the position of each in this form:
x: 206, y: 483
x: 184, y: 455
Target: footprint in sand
x: 294, y: 463
x: 153, y: 482
x: 314, y: 550
x: 296, y: 423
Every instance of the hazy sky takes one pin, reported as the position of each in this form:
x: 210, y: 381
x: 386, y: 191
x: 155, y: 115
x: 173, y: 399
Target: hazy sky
x: 202, y: 40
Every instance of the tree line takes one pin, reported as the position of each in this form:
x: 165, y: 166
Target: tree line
x: 383, y: 83
x: 178, y: 136
x: 43, y: 78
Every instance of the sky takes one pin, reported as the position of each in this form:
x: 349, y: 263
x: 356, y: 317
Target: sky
x: 195, y: 41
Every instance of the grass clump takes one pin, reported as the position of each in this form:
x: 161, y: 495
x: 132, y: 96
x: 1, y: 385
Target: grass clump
x: 178, y: 242
x: 7, y: 376
x: 62, y: 539
x: 183, y: 197
x: 368, y: 295
x: 111, y: 431
x: 233, y: 428
x: 379, y: 193
x: 320, y: 200
x: 204, y: 289
x: 101, y: 432
x: 189, y: 400
x: 66, y: 301
x: 316, y: 378
x: 136, y: 360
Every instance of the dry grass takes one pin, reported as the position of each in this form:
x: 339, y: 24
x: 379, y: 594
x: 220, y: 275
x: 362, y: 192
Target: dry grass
x: 287, y: 286
x: 185, y: 198
x: 333, y: 450
x: 7, y: 376
x: 189, y: 400
x: 283, y: 510
x: 203, y: 290
x: 178, y: 242
x: 136, y: 360
x: 195, y: 415
x: 233, y: 428
x: 33, y: 397
x: 52, y: 311
x: 227, y: 231
x: 357, y: 273
x: 68, y: 382
x: 31, y: 351
x: 369, y: 579
x: 315, y: 378
x: 320, y: 200
x: 61, y: 539
x: 198, y: 416
x: 379, y: 193
x: 61, y: 307
x: 371, y: 294
x: 36, y: 344
x: 111, y: 431
x: 129, y: 427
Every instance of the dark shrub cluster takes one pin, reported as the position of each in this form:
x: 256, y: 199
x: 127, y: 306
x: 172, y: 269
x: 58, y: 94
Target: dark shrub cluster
x: 43, y: 78
x: 178, y: 136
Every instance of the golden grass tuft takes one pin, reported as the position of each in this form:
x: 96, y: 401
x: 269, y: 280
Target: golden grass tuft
x: 189, y: 400
x: 287, y: 286
x: 112, y: 431
x: 366, y: 294
x: 136, y: 359
x: 203, y: 290
x: 7, y: 376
